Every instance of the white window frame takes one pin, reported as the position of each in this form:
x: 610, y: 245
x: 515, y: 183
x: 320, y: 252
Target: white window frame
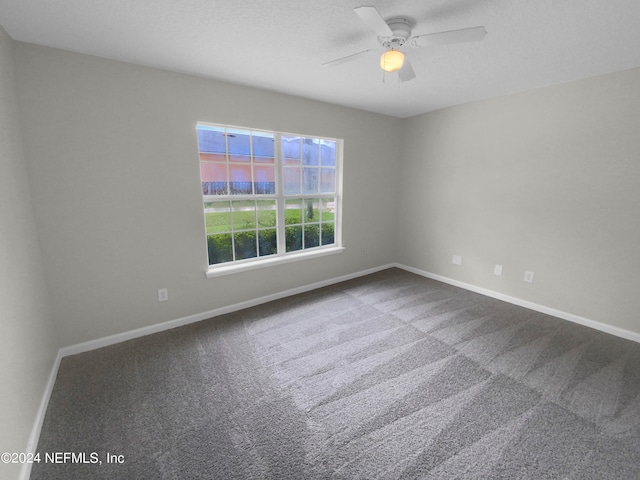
x: 282, y: 256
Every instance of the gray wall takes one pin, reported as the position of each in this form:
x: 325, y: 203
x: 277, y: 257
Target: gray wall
x: 112, y: 156
x: 546, y: 181
x: 28, y: 344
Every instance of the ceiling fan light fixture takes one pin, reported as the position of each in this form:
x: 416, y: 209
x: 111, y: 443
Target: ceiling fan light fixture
x: 391, y: 60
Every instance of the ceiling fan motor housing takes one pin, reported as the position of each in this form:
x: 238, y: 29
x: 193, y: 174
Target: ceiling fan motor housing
x: 401, y: 29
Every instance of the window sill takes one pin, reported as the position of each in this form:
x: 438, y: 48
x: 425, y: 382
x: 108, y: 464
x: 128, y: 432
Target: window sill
x: 218, y: 271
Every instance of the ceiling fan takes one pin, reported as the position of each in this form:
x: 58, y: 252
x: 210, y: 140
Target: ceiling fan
x: 396, y: 33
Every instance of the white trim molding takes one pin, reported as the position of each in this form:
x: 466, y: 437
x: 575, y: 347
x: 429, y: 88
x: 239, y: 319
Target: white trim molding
x: 243, y: 266
x: 34, y: 437
x: 159, y: 327
x: 603, y: 327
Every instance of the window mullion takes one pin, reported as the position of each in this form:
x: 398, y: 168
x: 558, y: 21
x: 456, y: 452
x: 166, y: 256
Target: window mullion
x: 227, y: 166
x: 233, y: 232
x: 277, y: 152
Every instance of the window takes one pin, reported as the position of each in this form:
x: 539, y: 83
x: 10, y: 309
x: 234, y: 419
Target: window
x: 267, y: 195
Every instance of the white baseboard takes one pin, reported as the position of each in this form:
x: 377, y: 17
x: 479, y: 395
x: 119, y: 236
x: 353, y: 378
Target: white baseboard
x: 159, y: 327
x: 32, y: 445
x: 603, y: 327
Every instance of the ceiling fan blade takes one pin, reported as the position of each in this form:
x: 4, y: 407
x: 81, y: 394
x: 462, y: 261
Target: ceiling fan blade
x: 406, y: 73
x: 473, y: 34
x: 348, y: 58
x: 374, y: 20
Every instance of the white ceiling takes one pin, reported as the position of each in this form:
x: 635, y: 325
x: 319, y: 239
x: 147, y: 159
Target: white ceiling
x: 280, y: 44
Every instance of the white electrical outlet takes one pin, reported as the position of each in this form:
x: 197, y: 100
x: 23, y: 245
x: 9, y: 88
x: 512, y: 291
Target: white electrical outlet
x: 457, y: 260
x: 528, y: 277
x: 497, y: 270
x: 163, y: 294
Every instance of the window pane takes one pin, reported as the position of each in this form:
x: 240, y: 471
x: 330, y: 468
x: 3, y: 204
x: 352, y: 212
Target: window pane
x: 291, y: 149
x: 309, y: 151
x: 244, y: 215
x: 266, y: 213
x: 310, y: 180
x: 240, y: 179
x: 239, y: 144
x: 311, y: 236
x: 211, y: 142
x: 328, y: 209
x: 220, y: 248
x: 311, y: 210
x: 327, y: 153
x: 291, y: 177
x: 267, y: 243
x: 214, y: 178
x: 264, y: 179
x: 327, y: 180
x: 293, y: 238
x: 245, y: 245
x: 327, y: 233
x: 293, y: 211
x: 218, y: 217
x: 213, y: 172
x: 263, y: 147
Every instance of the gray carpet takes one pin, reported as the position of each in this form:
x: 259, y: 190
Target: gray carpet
x: 390, y: 376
